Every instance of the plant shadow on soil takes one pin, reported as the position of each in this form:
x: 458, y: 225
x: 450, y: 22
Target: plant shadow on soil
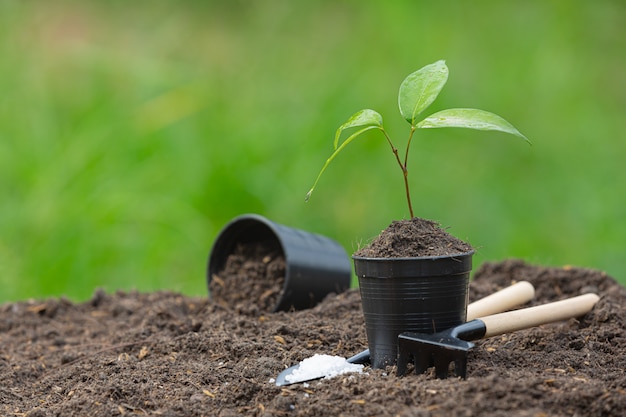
x: 166, y: 354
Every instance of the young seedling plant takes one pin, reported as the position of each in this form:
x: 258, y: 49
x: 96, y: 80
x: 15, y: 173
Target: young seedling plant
x: 417, y: 92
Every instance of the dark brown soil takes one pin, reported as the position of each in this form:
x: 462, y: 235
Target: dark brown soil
x: 252, y: 279
x: 169, y: 355
x: 413, y: 238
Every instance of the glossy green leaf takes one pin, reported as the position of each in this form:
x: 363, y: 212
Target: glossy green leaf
x: 420, y: 89
x: 364, y: 117
x: 469, y: 119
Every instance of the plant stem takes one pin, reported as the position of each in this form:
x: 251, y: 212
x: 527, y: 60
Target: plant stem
x: 403, y: 167
x: 408, y: 145
x: 408, y: 192
x: 405, y: 170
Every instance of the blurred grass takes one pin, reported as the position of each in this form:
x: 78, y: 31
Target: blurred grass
x: 130, y: 133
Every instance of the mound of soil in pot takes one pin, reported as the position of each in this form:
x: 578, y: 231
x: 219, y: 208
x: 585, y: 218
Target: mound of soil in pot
x: 252, y: 278
x: 167, y: 354
x: 413, y: 238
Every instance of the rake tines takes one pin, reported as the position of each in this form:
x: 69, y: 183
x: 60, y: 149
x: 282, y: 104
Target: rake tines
x: 428, y: 350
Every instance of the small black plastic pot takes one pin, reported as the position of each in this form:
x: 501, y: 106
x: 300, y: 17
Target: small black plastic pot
x: 315, y: 265
x: 423, y: 295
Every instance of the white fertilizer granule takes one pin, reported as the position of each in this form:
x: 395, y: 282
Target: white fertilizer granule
x: 322, y: 366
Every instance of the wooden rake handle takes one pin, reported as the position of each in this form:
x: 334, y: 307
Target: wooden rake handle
x: 525, y: 318
x: 503, y: 300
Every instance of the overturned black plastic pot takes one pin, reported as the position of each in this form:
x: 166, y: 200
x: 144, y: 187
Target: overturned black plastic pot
x: 314, y: 265
x: 423, y: 295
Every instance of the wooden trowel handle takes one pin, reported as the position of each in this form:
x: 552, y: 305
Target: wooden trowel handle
x: 534, y: 316
x: 503, y: 300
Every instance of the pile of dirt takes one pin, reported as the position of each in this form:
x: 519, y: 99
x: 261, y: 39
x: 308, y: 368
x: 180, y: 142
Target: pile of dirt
x: 413, y: 238
x: 170, y: 355
x: 252, y: 278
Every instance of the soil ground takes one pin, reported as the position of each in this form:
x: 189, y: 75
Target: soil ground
x: 170, y: 355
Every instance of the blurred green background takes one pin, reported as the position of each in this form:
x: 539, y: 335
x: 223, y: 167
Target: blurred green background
x: 131, y: 132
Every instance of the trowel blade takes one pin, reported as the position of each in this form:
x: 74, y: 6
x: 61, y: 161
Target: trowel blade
x: 284, y: 377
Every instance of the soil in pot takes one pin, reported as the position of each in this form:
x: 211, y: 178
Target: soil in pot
x: 134, y: 354
x: 251, y: 281
x: 416, y: 237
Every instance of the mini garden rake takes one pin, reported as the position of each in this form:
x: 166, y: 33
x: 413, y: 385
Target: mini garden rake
x: 453, y: 345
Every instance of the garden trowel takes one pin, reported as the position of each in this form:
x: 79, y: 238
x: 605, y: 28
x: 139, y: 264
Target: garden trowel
x: 503, y: 300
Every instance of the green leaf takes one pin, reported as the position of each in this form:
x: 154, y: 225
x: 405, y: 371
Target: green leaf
x: 337, y: 150
x: 469, y: 119
x: 420, y: 89
x: 364, y: 117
